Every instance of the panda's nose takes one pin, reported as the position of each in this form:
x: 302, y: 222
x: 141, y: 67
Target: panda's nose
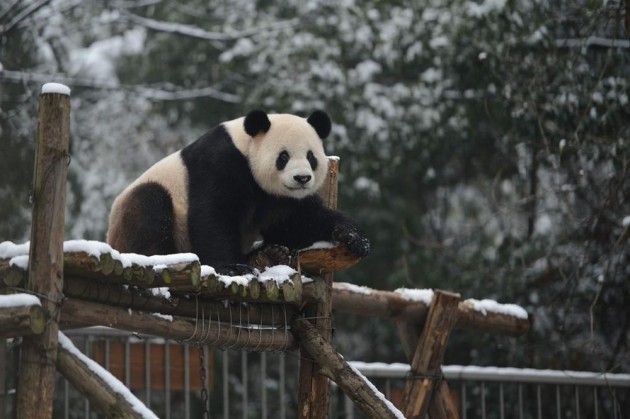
x: 302, y: 179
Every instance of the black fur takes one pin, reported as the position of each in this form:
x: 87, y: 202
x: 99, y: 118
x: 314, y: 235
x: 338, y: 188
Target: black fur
x: 224, y: 197
x: 321, y: 122
x: 149, y: 221
x: 256, y: 122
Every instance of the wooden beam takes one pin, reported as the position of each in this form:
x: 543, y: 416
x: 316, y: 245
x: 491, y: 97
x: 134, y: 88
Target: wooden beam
x: 426, y: 366
x: 313, y: 387
x: 21, y: 321
x: 392, y: 305
x: 99, y: 392
x: 36, y: 383
x: 333, y: 366
x: 203, y: 332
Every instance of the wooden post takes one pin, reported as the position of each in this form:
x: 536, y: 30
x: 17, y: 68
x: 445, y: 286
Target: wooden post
x: 313, y: 387
x: 336, y: 368
x: 426, y: 365
x: 36, y: 383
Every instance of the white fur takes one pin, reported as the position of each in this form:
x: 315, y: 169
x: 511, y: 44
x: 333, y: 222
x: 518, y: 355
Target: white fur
x: 289, y: 133
x: 171, y: 173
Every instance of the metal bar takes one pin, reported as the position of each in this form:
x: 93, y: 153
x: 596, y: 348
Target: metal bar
x: 558, y: 408
x: 244, y: 378
x: 263, y: 387
x: 206, y: 371
x: 283, y: 383
x: 539, y: 401
x: 86, y: 351
x: 66, y: 399
x: 577, y: 402
x: 483, y: 400
x: 167, y: 379
x: 226, y: 386
x: 147, y: 373
x: 128, y: 362
x: 186, y: 381
x: 520, y: 401
x: 595, y: 403
x: 501, y: 402
x: 464, y: 415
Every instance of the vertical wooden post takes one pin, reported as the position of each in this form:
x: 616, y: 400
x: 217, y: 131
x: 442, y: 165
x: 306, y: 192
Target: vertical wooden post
x: 426, y: 364
x: 313, y: 387
x: 36, y: 382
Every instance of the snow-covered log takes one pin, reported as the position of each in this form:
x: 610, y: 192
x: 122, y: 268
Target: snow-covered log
x: 409, y: 306
x: 104, y: 391
x: 332, y: 365
x: 20, y: 314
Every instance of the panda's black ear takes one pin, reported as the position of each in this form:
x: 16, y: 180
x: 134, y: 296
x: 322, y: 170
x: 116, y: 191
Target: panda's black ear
x: 256, y: 122
x: 321, y: 122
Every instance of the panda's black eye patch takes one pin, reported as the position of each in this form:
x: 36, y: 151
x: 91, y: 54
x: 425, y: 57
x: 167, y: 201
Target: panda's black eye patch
x: 312, y: 159
x: 282, y: 160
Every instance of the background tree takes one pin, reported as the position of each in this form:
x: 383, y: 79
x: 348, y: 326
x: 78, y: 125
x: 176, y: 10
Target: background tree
x: 484, y: 143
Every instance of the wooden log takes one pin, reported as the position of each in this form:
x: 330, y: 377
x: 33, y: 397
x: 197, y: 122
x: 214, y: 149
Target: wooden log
x: 11, y: 275
x: 333, y: 366
x: 99, y: 392
x: 429, y: 353
x: 36, y: 383
x: 21, y: 321
x: 223, y: 335
x: 392, y: 305
x: 327, y: 260
x: 442, y: 405
x: 313, y: 387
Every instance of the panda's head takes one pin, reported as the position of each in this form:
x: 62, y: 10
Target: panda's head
x: 285, y: 152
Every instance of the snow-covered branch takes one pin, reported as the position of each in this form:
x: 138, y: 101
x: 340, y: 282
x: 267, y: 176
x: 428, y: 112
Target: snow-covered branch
x: 592, y: 41
x: 152, y: 93
x: 197, y: 32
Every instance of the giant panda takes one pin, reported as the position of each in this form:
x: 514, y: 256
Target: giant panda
x: 255, y: 176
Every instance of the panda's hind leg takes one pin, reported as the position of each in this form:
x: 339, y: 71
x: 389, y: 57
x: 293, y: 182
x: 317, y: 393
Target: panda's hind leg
x: 144, y: 223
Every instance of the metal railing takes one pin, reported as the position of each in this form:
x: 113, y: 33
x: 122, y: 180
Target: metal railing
x: 166, y: 376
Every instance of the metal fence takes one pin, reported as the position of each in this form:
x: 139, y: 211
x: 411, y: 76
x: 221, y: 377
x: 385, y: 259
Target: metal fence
x: 178, y: 380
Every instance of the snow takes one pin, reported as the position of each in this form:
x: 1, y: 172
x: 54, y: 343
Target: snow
x: 166, y: 317
x: 320, y: 245
x: 279, y: 273
x: 380, y: 395
x: 353, y: 288
x: 107, y: 377
x: 420, y: 295
x: 477, y: 373
x: 19, y: 261
x: 59, y: 88
x: 19, y: 300
x: 485, y: 306
x: 96, y: 249
x: 626, y: 221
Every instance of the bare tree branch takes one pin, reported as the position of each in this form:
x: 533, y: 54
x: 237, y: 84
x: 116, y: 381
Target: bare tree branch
x: 153, y: 93
x: 26, y: 12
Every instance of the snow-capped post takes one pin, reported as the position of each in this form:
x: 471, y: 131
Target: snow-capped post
x: 313, y: 387
x: 36, y: 383
x: 426, y: 390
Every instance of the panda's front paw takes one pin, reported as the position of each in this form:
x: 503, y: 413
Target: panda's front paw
x: 353, y: 238
x: 236, y: 269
